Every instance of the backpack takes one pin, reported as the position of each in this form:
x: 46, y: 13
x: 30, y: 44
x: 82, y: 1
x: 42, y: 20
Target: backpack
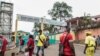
x: 22, y: 42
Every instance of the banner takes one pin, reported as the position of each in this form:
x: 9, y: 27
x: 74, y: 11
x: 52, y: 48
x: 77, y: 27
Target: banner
x: 38, y: 20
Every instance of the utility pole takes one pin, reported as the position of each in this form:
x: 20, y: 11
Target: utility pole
x: 42, y: 23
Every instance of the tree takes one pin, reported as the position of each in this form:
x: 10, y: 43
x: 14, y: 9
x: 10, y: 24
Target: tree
x: 86, y: 21
x: 46, y: 27
x: 60, y: 11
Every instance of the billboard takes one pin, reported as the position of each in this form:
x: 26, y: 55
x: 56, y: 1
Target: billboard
x: 38, y: 20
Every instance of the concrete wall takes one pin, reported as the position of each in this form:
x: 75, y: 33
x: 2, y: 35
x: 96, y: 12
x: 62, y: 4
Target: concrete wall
x: 81, y: 34
x: 58, y: 36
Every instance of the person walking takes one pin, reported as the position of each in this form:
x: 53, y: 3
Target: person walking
x: 89, y: 44
x: 47, y: 40
x: 21, y: 44
x: 95, y: 38
x: 4, y: 45
x: 30, y: 45
x: 98, y: 40
x: 40, y: 44
x: 66, y: 47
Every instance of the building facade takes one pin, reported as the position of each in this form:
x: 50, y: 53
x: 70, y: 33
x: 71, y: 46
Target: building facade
x: 6, y: 13
x: 82, y: 25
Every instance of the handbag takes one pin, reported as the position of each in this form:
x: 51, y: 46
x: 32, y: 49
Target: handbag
x: 1, y: 54
x: 61, y: 47
x: 31, y: 47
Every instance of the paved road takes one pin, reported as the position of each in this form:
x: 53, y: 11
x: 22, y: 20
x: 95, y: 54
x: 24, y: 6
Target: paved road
x: 79, y: 50
x: 53, y: 51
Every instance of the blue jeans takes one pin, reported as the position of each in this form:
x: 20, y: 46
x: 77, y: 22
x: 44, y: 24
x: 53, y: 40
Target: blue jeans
x: 21, y: 48
x: 40, y: 48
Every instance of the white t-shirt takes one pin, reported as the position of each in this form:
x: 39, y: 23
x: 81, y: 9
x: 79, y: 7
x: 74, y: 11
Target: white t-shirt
x: 37, y: 37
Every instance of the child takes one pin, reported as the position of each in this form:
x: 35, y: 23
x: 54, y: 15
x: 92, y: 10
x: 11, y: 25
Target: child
x: 26, y: 52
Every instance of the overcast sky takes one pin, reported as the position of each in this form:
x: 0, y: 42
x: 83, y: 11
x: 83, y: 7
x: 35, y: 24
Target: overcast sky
x: 40, y: 8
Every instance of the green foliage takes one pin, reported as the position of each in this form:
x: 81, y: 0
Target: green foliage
x: 38, y: 25
x: 60, y: 11
x: 46, y: 27
x: 85, y: 20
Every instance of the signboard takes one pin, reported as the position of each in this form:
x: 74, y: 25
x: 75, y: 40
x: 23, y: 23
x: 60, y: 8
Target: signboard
x: 28, y: 18
x: 38, y: 20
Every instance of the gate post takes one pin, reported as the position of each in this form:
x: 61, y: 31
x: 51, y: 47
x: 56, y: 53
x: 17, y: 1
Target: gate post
x: 16, y: 28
